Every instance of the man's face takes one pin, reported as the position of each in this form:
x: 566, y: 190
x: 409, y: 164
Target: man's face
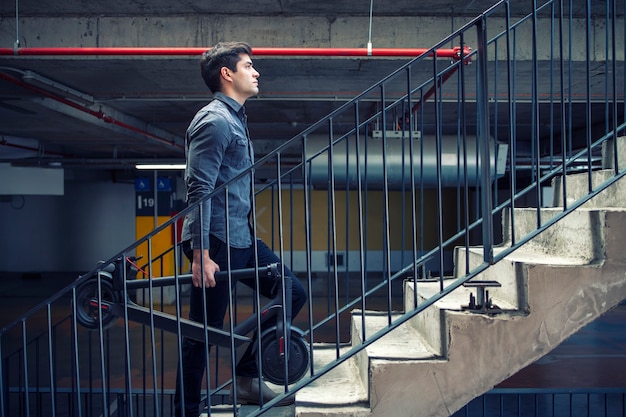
x: 245, y: 79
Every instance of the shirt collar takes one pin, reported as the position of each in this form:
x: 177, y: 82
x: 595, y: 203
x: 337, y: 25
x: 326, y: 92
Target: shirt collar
x: 231, y: 102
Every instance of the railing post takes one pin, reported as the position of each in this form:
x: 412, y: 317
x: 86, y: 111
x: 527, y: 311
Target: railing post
x: 4, y: 383
x: 483, y: 141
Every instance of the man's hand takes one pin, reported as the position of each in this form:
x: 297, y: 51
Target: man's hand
x: 210, y: 268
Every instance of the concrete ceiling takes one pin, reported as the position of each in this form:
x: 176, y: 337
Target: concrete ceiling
x: 330, y: 8
x: 142, y: 104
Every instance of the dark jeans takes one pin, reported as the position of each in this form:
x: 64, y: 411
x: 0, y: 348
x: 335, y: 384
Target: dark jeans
x: 217, y: 300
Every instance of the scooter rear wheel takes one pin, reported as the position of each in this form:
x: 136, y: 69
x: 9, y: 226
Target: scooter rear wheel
x: 273, y: 362
x: 88, y: 312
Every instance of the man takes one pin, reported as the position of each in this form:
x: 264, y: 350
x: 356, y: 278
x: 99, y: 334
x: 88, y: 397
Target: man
x: 218, y: 149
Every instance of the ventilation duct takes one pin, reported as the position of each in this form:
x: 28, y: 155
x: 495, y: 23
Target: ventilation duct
x: 457, y: 164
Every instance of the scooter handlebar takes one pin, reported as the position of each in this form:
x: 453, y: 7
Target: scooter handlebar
x: 271, y: 269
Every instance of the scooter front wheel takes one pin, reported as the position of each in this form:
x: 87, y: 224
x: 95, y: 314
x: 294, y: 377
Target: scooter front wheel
x: 273, y: 361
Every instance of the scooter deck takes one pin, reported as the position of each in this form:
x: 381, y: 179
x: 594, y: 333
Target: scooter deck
x: 170, y: 323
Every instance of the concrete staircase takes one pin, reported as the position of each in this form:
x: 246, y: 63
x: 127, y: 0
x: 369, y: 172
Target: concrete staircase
x: 444, y: 357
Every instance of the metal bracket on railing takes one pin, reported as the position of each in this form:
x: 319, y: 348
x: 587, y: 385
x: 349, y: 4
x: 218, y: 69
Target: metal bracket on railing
x: 481, y: 303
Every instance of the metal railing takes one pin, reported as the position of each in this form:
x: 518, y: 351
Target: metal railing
x: 534, y: 402
x: 380, y: 191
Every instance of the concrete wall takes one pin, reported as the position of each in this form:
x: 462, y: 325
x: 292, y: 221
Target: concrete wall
x: 92, y: 221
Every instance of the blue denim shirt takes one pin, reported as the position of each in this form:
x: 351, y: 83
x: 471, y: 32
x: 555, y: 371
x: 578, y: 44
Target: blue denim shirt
x: 218, y: 148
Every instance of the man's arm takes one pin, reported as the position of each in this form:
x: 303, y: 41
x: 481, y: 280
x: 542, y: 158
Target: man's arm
x: 207, y: 144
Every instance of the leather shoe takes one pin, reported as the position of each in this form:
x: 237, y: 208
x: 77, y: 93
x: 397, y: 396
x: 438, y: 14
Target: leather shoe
x: 248, y: 392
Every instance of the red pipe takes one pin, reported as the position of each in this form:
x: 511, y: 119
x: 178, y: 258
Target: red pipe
x: 454, y: 53
x: 428, y: 94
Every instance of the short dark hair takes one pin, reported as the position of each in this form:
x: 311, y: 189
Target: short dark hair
x: 223, y: 54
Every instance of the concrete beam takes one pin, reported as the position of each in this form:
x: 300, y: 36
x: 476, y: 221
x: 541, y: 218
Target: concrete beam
x: 284, y: 31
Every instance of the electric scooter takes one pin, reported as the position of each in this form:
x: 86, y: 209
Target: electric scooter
x: 100, y: 301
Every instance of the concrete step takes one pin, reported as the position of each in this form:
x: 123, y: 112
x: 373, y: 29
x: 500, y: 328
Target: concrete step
x: 577, y: 238
x: 432, y: 325
x: 339, y: 393
x: 578, y: 184
x: 577, y: 187
x: 609, y: 148
x: 513, y: 292
x: 344, y: 392
x: 404, y: 343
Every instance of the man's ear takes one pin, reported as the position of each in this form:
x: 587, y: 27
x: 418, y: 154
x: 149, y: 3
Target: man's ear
x: 225, y: 73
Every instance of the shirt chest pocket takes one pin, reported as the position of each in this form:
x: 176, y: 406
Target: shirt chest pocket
x: 237, y: 154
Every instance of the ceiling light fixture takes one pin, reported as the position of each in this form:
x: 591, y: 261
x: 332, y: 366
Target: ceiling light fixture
x: 160, y: 166
x: 55, y: 87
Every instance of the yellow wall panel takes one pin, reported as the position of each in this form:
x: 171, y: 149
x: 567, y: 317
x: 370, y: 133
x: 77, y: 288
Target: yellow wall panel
x: 345, y: 223
x: 160, y: 243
